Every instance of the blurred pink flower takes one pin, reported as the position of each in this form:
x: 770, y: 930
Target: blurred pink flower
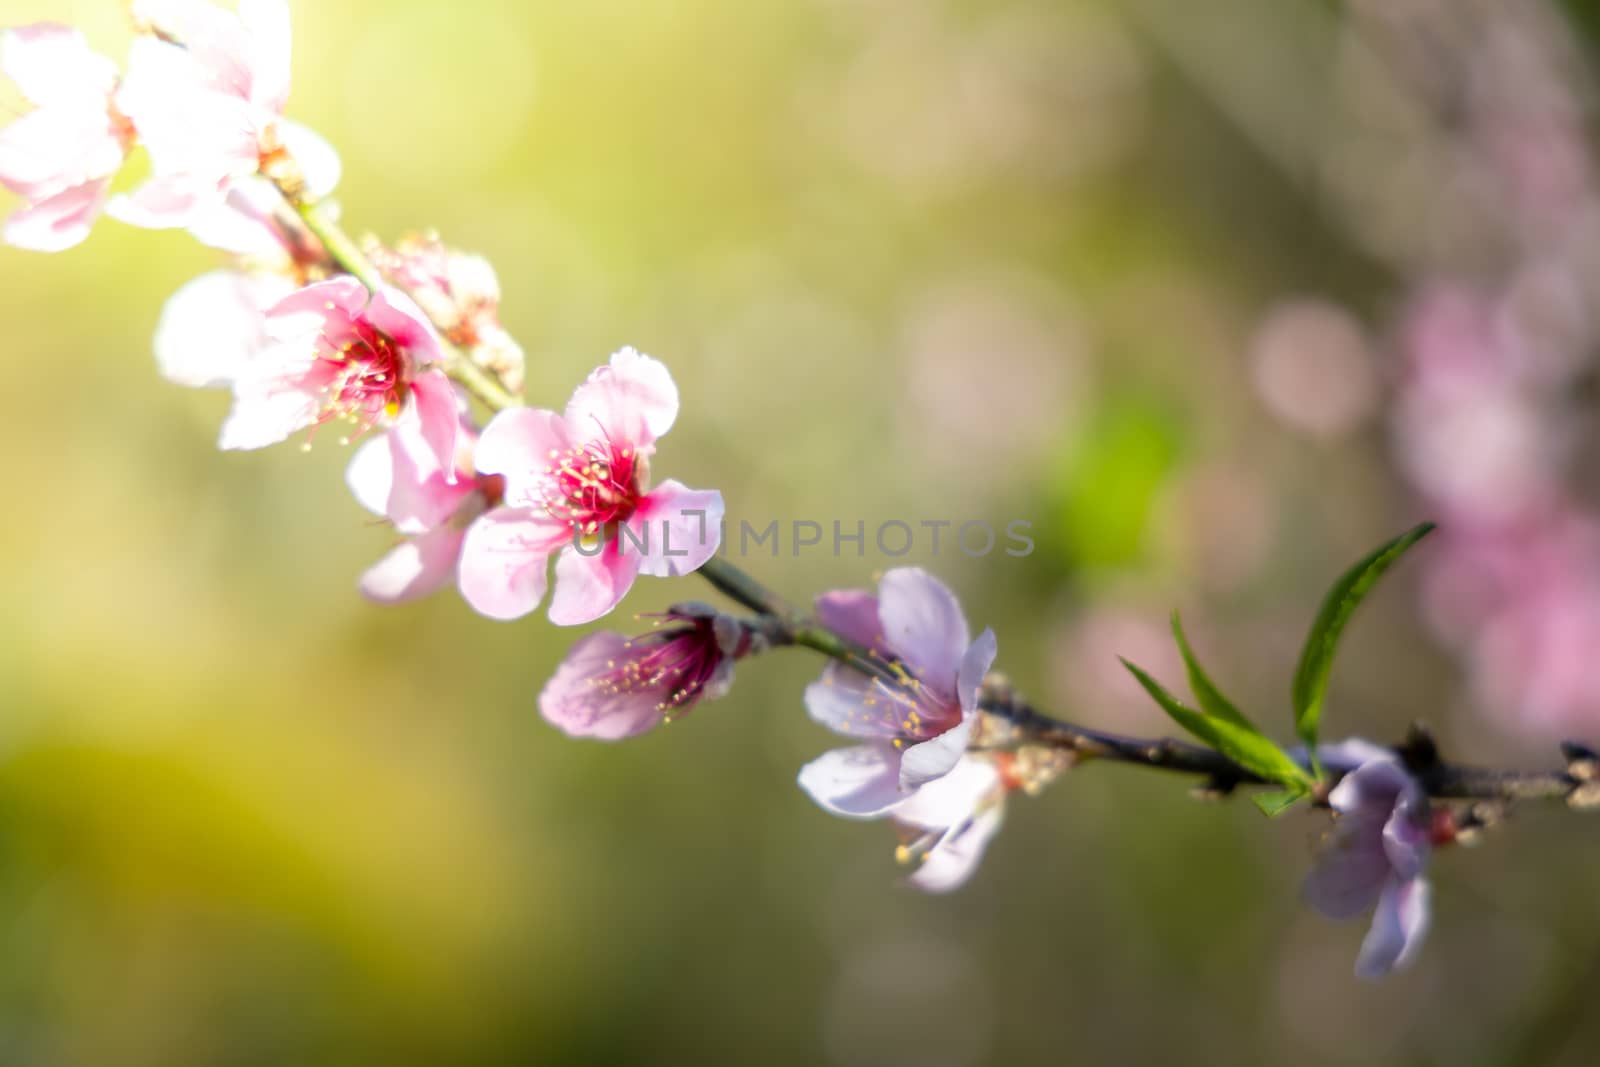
x: 578, y: 484
x: 948, y: 823
x: 1313, y: 368
x: 333, y: 351
x: 1380, y: 846
x: 396, y: 475
x: 1486, y: 430
x: 61, y: 156
x: 917, y: 728
x: 206, y: 90
x: 611, y: 686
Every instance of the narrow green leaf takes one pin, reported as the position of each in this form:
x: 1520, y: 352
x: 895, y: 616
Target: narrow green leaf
x: 1316, y: 658
x: 1276, y: 802
x: 1241, y: 743
x: 1212, y: 702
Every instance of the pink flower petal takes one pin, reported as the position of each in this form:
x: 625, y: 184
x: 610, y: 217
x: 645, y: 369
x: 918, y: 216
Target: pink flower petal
x: 954, y: 859
x: 1399, y: 926
x: 632, y: 399
x: 432, y: 413
x: 852, y: 614
x: 215, y: 38
x: 266, y: 26
x: 518, y: 444
x: 273, y: 397
x: 53, y: 65
x: 1405, y: 839
x: 51, y: 150
x: 397, y: 315
x: 213, y: 326
x: 242, y: 223
x: 318, y: 160
x: 168, y: 203
x: 588, y: 587
x: 934, y: 758
x: 416, y: 567
x: 505, y: 561
x: 680, y: 528
x: 1376, y: 784
x: 952, y: 799
x: 422, y: 497
x: 195, y: 134
x: 370, y: 475
x: 58, y: 222
x: 1351, y: 753
x: 839, y: 702
x: 304, y: 311
x: 1348, y: 876
x: 975, y: 664
x: 924, y: 625
x: 858, y: 783
x: 573, y: 703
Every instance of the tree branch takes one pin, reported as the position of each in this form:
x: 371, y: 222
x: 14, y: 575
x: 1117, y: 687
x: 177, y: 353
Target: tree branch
x: 777, y: 621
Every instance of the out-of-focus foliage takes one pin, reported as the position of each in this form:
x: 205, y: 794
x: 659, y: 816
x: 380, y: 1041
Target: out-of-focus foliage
x: 1126, y: 270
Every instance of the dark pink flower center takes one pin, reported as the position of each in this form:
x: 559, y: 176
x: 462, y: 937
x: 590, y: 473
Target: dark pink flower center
x: 593, y: 487
x: 368, y: 378
x: 675, y: 664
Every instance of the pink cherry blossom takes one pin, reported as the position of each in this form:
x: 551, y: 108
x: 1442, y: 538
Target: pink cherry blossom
x: 577, y: 488
x: 396, y: 475
x: 1380, y: 846
x: 948, y: 823
x: 336, y: 352
x: 61, y: 156
x: 206, y: 90
x: 611, y: 686
x: 916, y: 727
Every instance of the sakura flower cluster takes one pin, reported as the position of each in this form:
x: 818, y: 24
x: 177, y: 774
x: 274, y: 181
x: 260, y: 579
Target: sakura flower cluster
x: 309, y: 342
x: 313, y: 334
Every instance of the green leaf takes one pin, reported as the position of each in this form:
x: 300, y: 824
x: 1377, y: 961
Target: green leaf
x: 1277, y: 802
x: 1212, y: 702
x: 1242, y: 743
x: 1316, y: 658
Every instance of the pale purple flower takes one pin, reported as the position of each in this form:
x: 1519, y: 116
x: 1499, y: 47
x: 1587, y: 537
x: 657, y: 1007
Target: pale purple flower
x: 611, y: 686
x: 1375, y: 861
x: 578, y: 489
x: 396, y: 475
x: 948, y: 823
x: 61, y: 156
x: 915, y: 727
x: 334, y: 351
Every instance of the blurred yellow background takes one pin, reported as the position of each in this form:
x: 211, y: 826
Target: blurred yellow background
x: 911, y: 259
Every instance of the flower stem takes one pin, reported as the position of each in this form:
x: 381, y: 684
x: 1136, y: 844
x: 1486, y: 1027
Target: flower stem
x: 788, y: 625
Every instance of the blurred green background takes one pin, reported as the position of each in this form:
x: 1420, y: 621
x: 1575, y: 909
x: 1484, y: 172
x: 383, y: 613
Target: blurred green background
x: 914, y: 259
